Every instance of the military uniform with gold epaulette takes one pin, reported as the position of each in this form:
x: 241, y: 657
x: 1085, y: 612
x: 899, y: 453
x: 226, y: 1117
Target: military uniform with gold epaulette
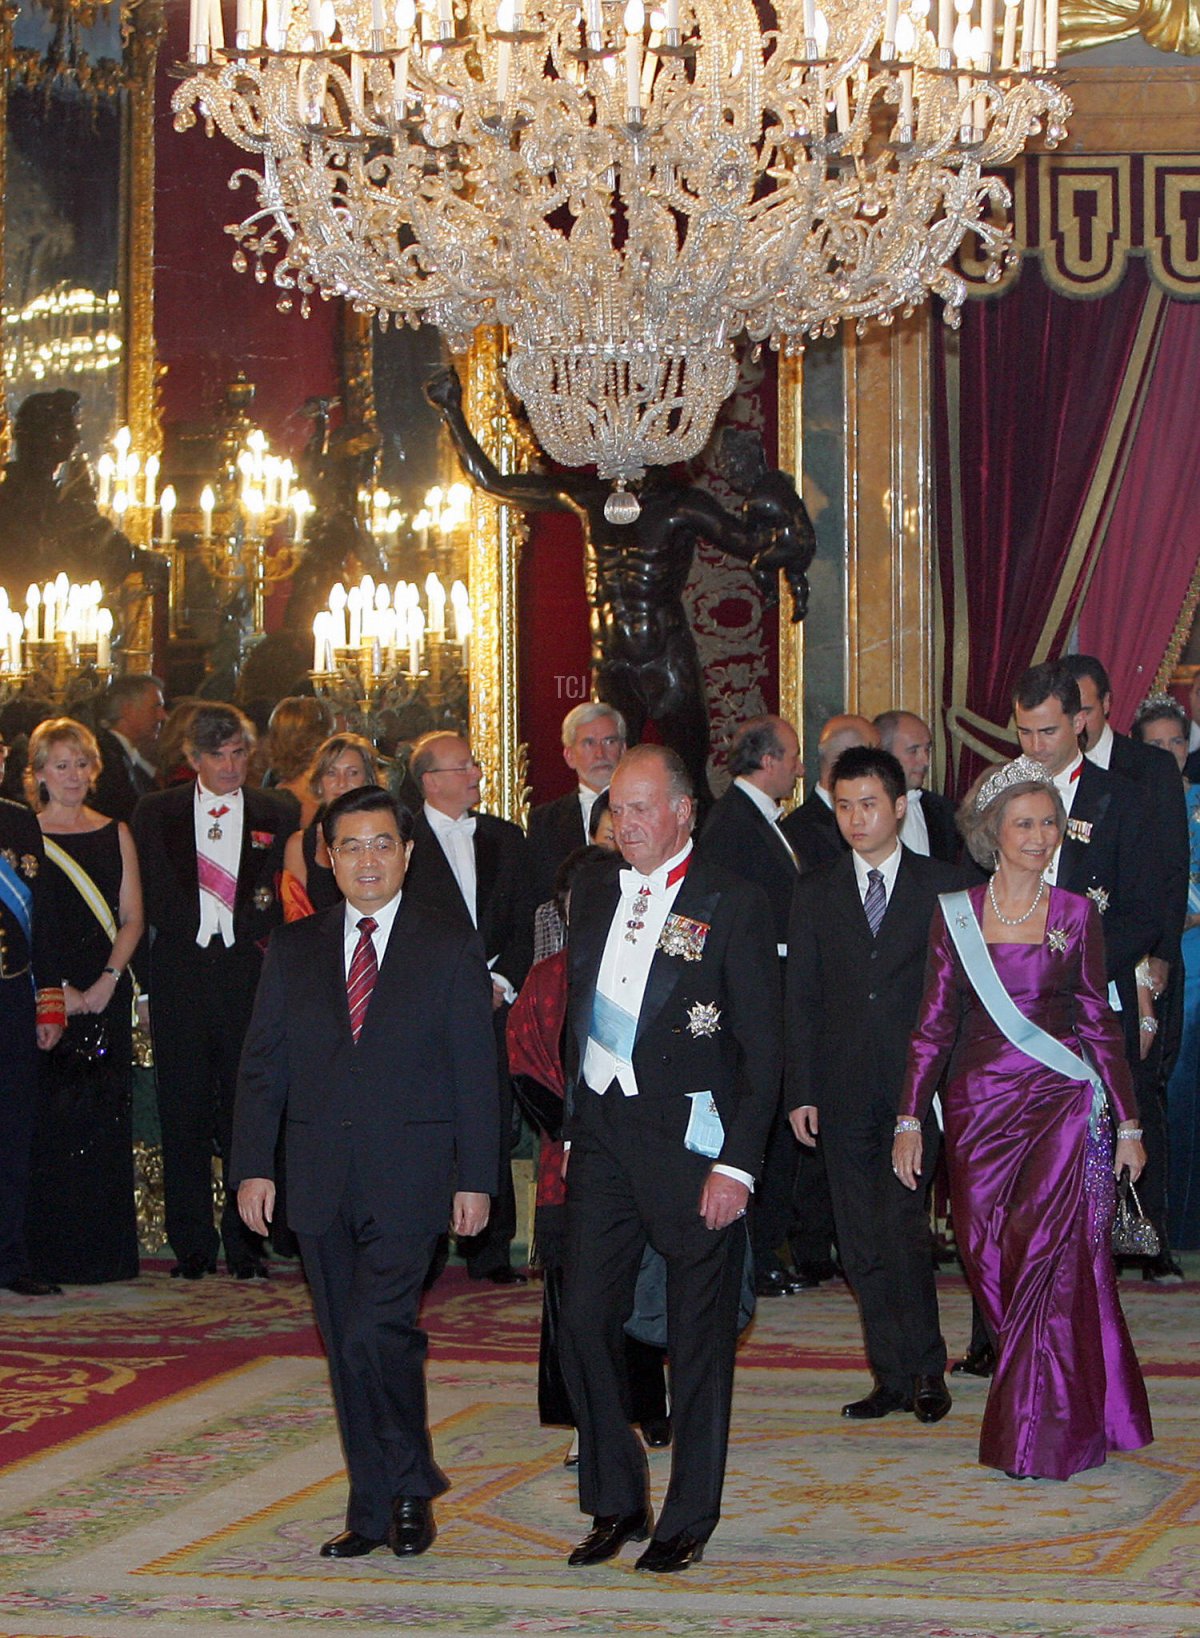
x: 30, y: 993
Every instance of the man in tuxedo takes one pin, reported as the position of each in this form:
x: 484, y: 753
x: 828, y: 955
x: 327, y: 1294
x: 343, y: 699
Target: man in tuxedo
x: 372, y: 1039
x: 856, y: 965
x: 210, y: 853
x: 593, y: 737
x: 811, y: 829
x: 928, y: 826
x: 1157, y: 777
x: 131, y: 717
x: 673, y: 1067
x: 32, y: 1015
x: 742, y: 834
x: 473, y: 866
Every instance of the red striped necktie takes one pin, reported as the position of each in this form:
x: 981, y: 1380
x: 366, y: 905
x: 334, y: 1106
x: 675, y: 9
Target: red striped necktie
x: 364, y: 970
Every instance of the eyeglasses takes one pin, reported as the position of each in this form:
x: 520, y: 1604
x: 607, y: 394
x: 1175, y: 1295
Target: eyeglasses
x: 385, y: 846
x: 456, y: 767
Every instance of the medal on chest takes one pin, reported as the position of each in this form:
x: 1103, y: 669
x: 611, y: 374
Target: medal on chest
x: 216, y: 815
x: 635, y: 923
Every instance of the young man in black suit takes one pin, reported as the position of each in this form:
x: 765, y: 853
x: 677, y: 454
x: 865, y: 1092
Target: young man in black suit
x: 372, y: 1040
x: 474, y: 866
x: 210, y: 853
x: 132, y: 714
x: 673, y: 1066
x: 1161, y: 788
x: 856, y: 965
x: 593, y: 737
x: 742, y: 834
x: 929, y: 826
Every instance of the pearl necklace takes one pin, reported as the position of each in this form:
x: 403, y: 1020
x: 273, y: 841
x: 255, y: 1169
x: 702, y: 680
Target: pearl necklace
x: 1015, y: 921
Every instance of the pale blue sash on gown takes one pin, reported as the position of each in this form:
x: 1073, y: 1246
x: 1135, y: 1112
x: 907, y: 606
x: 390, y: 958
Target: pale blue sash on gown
x: 1017, y: 1029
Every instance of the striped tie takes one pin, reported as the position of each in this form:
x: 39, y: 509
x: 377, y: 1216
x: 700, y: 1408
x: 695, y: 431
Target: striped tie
x: 875, y: 903
x: 364, y: 970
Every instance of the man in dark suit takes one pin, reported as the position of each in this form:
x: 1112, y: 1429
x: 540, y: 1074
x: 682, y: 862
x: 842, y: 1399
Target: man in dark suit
x: 131, y: 716
x: 32, y: 1016
x: 856, y: 965
x: 210, y: 854
x: 372, y: 1040
x: 1157, y: 777
x: 673, y: 1066
x: 742, y: 834
x: 473, y: 866
x: 929, y: 826
x: 593, y: 736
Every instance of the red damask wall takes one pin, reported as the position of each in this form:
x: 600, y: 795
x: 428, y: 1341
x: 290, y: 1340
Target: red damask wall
x: 211, y: 322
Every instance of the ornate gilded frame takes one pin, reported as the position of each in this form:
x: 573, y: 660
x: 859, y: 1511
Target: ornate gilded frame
x: 142, y: 29
x: 497, y: 534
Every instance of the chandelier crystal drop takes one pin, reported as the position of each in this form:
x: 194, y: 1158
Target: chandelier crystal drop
x: 628, y: 191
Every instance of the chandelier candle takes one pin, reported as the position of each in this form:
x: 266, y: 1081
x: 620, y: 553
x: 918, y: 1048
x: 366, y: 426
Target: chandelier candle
x: 627, y: 194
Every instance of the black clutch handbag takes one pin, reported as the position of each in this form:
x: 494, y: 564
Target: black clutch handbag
x: 542, y: 1108
x: 1133, y: 1235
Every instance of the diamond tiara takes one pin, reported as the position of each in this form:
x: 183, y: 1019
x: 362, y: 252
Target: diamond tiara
x: 1022, y: 771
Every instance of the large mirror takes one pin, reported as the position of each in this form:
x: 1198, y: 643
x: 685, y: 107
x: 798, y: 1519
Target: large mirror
x: 78, y: 200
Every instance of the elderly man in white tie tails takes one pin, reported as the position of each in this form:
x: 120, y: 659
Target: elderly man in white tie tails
x: 674, y: 1058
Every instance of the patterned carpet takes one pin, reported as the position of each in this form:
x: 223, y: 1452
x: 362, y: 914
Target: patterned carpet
x: 169, y: 1454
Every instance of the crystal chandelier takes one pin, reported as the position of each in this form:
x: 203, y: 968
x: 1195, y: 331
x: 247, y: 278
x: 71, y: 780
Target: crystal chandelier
x: 628, y: 193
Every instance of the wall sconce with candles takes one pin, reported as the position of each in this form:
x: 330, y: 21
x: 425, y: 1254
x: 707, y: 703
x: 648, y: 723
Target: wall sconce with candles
x: 376, y: 642
x: 61, y: 647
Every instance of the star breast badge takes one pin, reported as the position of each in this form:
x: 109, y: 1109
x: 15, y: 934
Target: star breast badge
x: 704, y: 1018
x: 1099, y: 897
x: 1056, y: 938
x: 681, y: 936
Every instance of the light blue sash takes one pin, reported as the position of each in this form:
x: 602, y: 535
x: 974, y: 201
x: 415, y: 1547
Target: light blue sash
x: 18, y: 897
x: 1008, y: 1018
x: 613, y: 1028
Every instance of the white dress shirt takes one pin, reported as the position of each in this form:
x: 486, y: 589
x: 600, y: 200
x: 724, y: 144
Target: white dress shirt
x: 625, y: 969
x: 888, y: 870
x: 1101, y: 752
x: 457, y: 840
x: 914, y: 831
x: 384, y: 916
x: 224, y: 850
x: 587, y: 801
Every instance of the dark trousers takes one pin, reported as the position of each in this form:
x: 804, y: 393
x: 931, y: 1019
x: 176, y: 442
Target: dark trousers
x: 772, y: 1209
x: 813, y: 1233
x: 885, y: 1244
x: 366, y: 1288
x: 631, y: 1181
x: 485, y: 1253
x: 18, y: 1105
x: 200, y: 1006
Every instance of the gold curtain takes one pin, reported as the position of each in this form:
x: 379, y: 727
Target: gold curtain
x: 1169, y: 25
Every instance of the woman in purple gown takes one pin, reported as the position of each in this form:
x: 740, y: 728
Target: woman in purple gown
x: 1030, y: 1151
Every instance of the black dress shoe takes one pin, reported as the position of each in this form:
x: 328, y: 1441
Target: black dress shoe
x: 931, y: 1399
x: 656, y: 1431
x: 879, y: 1402
x: 194, y: 1266
x: 252, y: 1269
x: 816, y: 1273
x: 507, y: 1275
x: 1163, y: 1270
x: 609, y: 1533
x: 350, y: 1545
x: 975, y: 1362
x: 675, y: 1553
x: 777, y: 1282
x: 412, y: 1528
x: 25, y: 1285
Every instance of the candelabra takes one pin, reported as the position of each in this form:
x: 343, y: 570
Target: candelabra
x: 61, y: 647
x: 372, y: 641
x: 627, y: 192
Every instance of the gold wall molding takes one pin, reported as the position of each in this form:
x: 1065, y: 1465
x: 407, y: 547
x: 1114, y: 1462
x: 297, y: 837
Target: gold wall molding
x: 497, y: 534
x: 889, y: 522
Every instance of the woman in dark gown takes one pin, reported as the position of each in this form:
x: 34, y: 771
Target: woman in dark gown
x: 81, y: 1221
x: 342, y: 763
x: 1031, y: 1151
